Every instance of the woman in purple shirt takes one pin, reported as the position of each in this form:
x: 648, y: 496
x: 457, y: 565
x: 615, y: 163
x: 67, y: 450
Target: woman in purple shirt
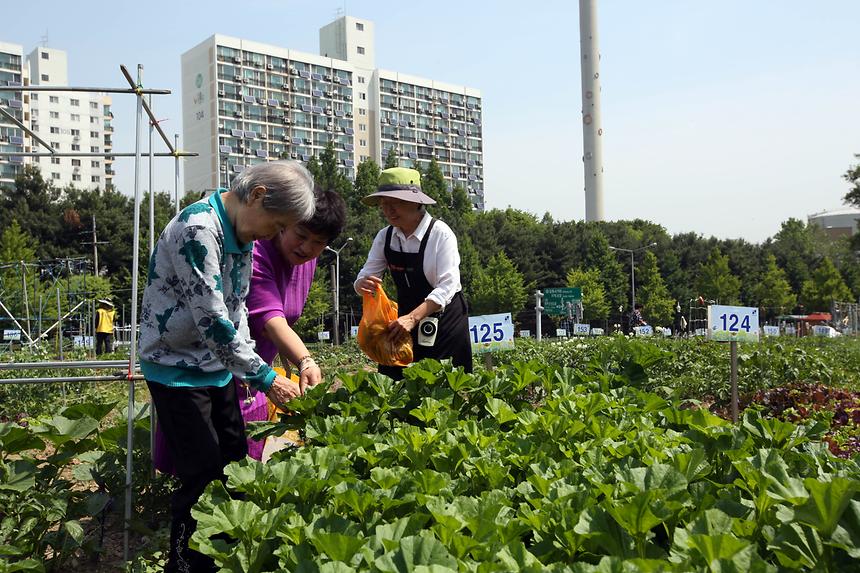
x: 282, y: 276
x: 281, y: 279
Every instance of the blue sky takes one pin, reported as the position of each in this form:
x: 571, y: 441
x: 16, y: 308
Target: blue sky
x: 724, y: 118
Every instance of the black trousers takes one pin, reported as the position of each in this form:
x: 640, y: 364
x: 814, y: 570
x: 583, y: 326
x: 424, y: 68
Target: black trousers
x: 104, y: 342
x: 205, y: 432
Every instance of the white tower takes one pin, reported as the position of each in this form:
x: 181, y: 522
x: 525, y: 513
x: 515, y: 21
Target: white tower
x: 592, y: 126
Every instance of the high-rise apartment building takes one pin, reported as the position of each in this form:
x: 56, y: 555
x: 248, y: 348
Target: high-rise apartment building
x: 71, y: 122
x: 245, y: 102
x: 12, y: 73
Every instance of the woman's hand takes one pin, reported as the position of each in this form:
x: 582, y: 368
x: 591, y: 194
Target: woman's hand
x: 309, y: 374
x: 369, y: 285
x: 400, y: 328
x: 282, y: 391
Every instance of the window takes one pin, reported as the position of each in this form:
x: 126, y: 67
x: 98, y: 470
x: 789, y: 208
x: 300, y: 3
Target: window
x: 94, y: 149
x: 362, y: 111
x: 55, y: 145
x: 76, y: 117
x: 55, y: 175
x: 359, y: 26
x: 95, y: 179
x: 34, y: 113
x: 360, y: 49
x: 75, y: 102
x: 45, y: 78
x: 94, y: 134
x: 55, y: 115
x: 34, y: 97
x: 361, y: 79
x: 76, y: 133
x: 94, y: 120
x: 362, y: 96
x: 55, y: 130
x: 362, y: 127
x: 76, y: 177
x: 76, y: 147
x: 76, y: 162
x: 54, y: 99
x: 362, y: 142
x: 95, y: 163
x: 94, y: 105
x: 55, y: 160
x: 45, y: 56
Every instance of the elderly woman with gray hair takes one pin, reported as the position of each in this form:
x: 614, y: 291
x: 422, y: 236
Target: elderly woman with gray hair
x: 194, y: 335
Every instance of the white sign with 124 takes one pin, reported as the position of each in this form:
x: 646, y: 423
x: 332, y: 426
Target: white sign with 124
x: 728, y: 323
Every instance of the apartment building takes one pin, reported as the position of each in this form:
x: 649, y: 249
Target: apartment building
x: 12, y: 73
x: 245, y: 102
x: 71, y: 122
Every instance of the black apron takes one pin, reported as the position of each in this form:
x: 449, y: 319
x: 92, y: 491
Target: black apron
x: 452, y: 339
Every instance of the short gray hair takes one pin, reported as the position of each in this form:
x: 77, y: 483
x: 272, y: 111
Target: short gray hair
x: 289, y: 187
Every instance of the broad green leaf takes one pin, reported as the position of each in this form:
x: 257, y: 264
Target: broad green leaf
x: 74, y: 529
x: 388, y: 535
x: 337, y: 546
x: 18, y: 475
x: 846, y: 536
x: 414, y: 551
x: 500, y: 410
x: 60, y: 430
x: 596, y: 523
x: 826, y: 504
x: 717, y: 547
x: 15, y: 439
x: 796, y: 546
x: 640, y: 513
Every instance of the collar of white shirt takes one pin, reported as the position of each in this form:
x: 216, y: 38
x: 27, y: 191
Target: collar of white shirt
x: 419, y: 231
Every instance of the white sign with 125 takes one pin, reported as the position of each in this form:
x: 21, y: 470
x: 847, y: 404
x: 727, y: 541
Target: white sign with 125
x: 491, y: 332
x: 728, y: 323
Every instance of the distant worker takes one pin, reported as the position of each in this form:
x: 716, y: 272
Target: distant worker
x: 104, y: 326
x: 634, y: 319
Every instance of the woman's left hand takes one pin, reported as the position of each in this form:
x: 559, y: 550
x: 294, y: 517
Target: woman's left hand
x: 401, y: 327
x: 310, y: 376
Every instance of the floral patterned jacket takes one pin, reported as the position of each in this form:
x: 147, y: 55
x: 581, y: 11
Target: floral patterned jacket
x: 193, y: 321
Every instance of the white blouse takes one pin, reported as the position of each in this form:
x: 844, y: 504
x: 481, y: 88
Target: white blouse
x: 441, y: 258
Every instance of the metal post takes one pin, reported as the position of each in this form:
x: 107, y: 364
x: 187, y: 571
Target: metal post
x: 95, y: 248
x: 733, y: 350
x: 592, y: 130
x: 632, y: 283
x: 26, y: 297
x: 151, y: 192
x: 334, y: 278
x: 176, y: 173
x: 538, y: 309
x: 59, y: 324
x: 132, y: 356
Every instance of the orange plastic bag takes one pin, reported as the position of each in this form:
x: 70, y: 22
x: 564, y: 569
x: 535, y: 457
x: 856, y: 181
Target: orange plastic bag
x: 377, y: 313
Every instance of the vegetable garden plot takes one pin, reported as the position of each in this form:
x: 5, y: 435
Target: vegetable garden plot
x: 446, y: 471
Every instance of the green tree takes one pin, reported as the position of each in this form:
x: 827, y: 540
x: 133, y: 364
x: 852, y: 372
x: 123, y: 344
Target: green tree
x: 772, y: 291
x: 594, y: 303
x: 825, y: 286
x: 716, y: 281
x: 16, y: 249
x: 657, y: 303
x: 596, y: 254
x: 318, y: 305
x: 392, y: 159
x: 499, y: 288
x: 34, y: 203
x: 852, y: 176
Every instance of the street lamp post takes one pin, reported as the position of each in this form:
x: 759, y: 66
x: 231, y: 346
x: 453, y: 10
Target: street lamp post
x: 632, y: 272
x: 336, y: 287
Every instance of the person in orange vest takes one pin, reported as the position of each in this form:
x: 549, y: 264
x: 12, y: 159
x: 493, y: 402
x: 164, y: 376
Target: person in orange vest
x: 104, y: 326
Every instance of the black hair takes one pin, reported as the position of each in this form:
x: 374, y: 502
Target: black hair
x: 330, y: 215
x: 638, y: 306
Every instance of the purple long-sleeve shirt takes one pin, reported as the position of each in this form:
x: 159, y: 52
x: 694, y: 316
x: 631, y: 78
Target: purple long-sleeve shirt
x: 277, y: 289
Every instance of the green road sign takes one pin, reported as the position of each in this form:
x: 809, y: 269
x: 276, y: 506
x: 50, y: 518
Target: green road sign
x: 555, y: 299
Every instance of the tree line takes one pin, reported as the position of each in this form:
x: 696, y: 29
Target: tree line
x: 505, y: 254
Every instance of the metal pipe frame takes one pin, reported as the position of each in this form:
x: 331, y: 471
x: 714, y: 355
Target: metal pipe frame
x: 152, y: 121
x: 83, y: 89
x: 118, y: 377
x: 26, y: 129
x: 66, y: 364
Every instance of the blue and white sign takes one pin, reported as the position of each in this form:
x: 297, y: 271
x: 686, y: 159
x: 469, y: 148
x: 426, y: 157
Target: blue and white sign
x: 324, y: 335
x: 728, y: 323
x: 11, y: 334
x: 667, y: 332
x: 790, y: 331
x: 525, y: 333
x: 561, y: 332
x: 596, y: 332
x: 770, y: 330
x: 581, y: 329
x: 491, y: 332
x: 643, y: 330
x: 824, y: 330
x: 353, y: 331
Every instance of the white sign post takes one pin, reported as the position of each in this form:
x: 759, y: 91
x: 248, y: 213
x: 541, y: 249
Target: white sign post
x: 581, y: 329
x: 643, y: 330
x: 770, y: 330
x: 324, y: 335
x: 732, y: 324
x: 525, y: 333
x: 353, y: 331
x: 561, y: 332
